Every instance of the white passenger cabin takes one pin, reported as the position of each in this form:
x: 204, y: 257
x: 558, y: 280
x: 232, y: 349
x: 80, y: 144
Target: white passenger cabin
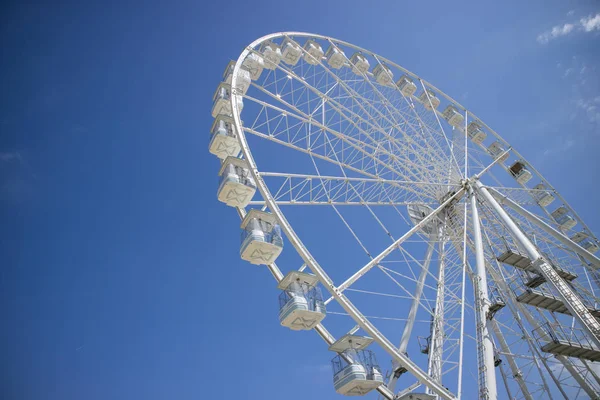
x: 237, y: 187
x: 383, y: 74
x: 544, y: 198
x: 243, y: 78
x: 255, y: 64
x: 583, y: 239
x: 476, y: 134
x: 335, y: 57
x: 360, y: 64
x: 355, y: 370
x: 430, y: 103
x: 271, y: 54
x: 224, y: 141
x: 314, y: 52
x: 520, y: 173
x: 261, y: 238
x: 453, y: 116
x: 222, y: 101
x: 290, y: 51
x: 301, y: 305
x: 579, y: 237
x: 562, y: 218
x: 496, y: 150
x: 406, y: 85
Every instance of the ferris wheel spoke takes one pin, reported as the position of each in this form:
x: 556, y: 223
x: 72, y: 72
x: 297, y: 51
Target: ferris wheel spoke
x: 393, y: 113
x: 352, y: 117
x: 352, y: 151
x: 370, y: 112
x: 343, y: 190
x: 375, y: 261
x: 357, y: 98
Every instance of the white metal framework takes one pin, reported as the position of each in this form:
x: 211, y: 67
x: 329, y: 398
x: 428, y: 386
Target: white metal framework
x: 438, y: 245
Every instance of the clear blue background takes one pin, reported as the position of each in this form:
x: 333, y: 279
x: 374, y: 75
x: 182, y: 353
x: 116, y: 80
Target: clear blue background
x: 120, y: 276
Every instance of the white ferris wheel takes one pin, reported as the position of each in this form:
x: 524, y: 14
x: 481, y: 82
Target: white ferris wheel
x: 419, y: 245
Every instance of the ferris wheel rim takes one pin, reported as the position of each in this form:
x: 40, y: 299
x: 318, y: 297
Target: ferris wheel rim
x: 437, y: 387
x: 266, y: 192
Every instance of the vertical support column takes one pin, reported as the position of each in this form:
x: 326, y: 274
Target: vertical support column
x: 570, y: 298
x: 485, y: 348
x: 436, y: 346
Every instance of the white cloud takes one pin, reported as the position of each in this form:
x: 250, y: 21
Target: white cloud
x: 10, y: 157
x: 570, y: 13
x: 590, y: 23
x: 591, y: 108
x: 585, y: 88
x: 555, y: 32
x: 585, y: 24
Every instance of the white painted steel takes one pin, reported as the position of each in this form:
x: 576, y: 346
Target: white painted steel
x: 313, y: 54
x: 487, y: 388
x: 570, y: 298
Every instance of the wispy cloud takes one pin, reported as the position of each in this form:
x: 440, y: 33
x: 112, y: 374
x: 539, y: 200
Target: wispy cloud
x: 11, y: 156
x: 585, y: 88
x: 556, y: 32
x: 590, y: 23
x: 586, y: 24
x: 591, y: 108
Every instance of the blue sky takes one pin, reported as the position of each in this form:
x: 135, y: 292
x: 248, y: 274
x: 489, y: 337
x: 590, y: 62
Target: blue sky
x: 120, y: 275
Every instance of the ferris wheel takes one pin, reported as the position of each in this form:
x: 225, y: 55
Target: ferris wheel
x: 422, y: 248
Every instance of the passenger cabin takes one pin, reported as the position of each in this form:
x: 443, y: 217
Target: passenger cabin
x: 430, y: 102
x: 224, y: 141
x: 406, y: 85
x: 543, y: 197
x: 497, y: 151
x: 236, y: 187
x: 335, y: 57
x: 520, y: 173
x: 301, y: 305
x: 222, y: 101
x: 314, y: 52
x: 583, y: 239
x: 261, y: 238
x: 243, y: 78
x: 476, y: 134
x: 355, y: 369
x: 563, y: 219
x: 383, y: 74
x: 271, y: 54
x: 290, y: 51
x: 360, y: 64
x: 579, y: 237
x: 255, y: 64
x: 453, y: 116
